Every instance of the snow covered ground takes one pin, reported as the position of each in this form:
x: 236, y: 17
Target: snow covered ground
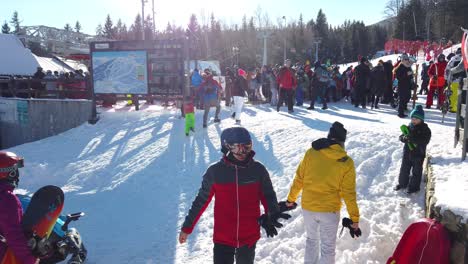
x: 135, y: 174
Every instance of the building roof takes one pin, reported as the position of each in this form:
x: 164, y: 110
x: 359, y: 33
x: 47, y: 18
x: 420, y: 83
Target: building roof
x: 15, y: 59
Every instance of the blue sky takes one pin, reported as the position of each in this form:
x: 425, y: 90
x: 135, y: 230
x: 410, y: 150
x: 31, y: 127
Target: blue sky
x: 92, y: 12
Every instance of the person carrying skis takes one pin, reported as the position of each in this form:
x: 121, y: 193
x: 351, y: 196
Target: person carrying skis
x: 325, y: 175
x: 414, y: 152
x: 210, y: 89
x: 239, y: 184
x: 11, y: 212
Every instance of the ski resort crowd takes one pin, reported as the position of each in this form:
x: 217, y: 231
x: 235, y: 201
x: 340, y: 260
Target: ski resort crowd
x: 363, y: 86
x: 326, y: 174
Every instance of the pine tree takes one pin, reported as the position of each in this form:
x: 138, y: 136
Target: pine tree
x: 136, y: 29
x: 5, y: 28
x: 149, y: 28
x: 109, y: 31
x: 124, y: 32
x: 78, y: 27
x: 15, y: 23
x: 67, y: 27
x: 118, y: 30
x: 99, y: 31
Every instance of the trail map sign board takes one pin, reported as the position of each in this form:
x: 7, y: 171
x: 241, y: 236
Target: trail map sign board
x: 153, y: 67
x: 120, y: 72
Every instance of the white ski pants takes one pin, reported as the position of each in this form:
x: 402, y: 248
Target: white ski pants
x: 321, y: 231
x: 238, y: 105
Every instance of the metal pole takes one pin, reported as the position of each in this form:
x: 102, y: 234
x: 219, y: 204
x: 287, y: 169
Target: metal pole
x: 265, y: 49
x: 316, y: 50
x: 284, y: 44
x: 154, y: 21
x: 143, y: 19
x: 415, y: 27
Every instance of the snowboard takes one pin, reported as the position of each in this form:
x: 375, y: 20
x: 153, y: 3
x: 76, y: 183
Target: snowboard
x: 405, y: 130
x: 39, y: 220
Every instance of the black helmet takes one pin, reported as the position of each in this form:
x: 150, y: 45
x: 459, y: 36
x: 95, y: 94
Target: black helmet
x: 234, y: 135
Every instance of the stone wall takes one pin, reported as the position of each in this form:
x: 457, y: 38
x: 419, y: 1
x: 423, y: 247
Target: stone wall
x: 27, y: 120
x: 455, y: 224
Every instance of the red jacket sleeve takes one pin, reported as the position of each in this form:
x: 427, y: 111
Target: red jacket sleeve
x: 10, y: 224
x: 201, y: 202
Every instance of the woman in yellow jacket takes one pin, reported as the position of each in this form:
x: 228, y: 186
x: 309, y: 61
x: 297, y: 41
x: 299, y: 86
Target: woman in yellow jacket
x: 325, y: 175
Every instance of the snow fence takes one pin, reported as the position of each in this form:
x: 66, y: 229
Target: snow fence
x: 27, y: 120
x: 455, y: 224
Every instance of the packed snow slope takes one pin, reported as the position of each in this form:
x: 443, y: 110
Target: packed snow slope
x: 135, y: 175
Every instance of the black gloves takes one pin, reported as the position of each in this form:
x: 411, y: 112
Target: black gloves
x: 283, y: 207
x: 346, y: 222
x: 270, y: 222
x: 404, y: 138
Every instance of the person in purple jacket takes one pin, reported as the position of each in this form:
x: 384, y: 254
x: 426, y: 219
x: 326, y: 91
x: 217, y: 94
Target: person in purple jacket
x: 11, y: 212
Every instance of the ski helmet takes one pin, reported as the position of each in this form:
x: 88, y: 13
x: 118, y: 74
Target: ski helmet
x: 9, y: 165
x: 234, y: 135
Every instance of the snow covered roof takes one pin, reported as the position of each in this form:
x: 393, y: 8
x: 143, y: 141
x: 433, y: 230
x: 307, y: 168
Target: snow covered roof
x: 52, y: 64
x: 74, y: 64
x: 15, y: 59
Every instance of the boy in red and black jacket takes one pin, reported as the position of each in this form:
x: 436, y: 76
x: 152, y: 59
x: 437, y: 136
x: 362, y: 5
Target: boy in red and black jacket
x: 239, y: 184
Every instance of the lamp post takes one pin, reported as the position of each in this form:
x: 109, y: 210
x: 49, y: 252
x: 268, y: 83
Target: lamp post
x: 235, y: 51
x: 284, y: 44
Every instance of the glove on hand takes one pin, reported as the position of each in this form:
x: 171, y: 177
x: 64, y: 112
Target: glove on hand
x: 346, y: 222
x: 404, y: 138
x: 283, y: 207
x: 270, y: 223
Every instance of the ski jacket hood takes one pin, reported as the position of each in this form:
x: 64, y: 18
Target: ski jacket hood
x: 329, y: 148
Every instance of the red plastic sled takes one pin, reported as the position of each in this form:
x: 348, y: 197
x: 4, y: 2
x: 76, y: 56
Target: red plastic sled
x: 424, y: 242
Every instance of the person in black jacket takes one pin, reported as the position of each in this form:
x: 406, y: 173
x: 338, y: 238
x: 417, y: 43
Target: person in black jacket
x: 404, y: 74
x: 239, y: 184
x: 240, y: 86
x: 388, y: 92
x: 414, y: 152
x: 425, y: 77
x: 362, y: 77
x: 378, y: 84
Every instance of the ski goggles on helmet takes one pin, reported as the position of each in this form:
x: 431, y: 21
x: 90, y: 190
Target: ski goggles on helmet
x: 240, y: 148
x: 12, y: 171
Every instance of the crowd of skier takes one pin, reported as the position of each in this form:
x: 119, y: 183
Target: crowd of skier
x: 365, y: 85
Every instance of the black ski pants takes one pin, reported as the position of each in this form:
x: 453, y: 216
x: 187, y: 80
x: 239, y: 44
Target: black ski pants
x: 413, y: 165
x: 226, y: 254
x: 320, y: 89
x: 286, y: 95
x: 361, y: 96
x: 404, y: 97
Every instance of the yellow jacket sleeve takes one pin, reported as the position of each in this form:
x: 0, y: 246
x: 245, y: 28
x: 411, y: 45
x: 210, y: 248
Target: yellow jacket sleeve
x: 348, y: 192
x: 298, y: 182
